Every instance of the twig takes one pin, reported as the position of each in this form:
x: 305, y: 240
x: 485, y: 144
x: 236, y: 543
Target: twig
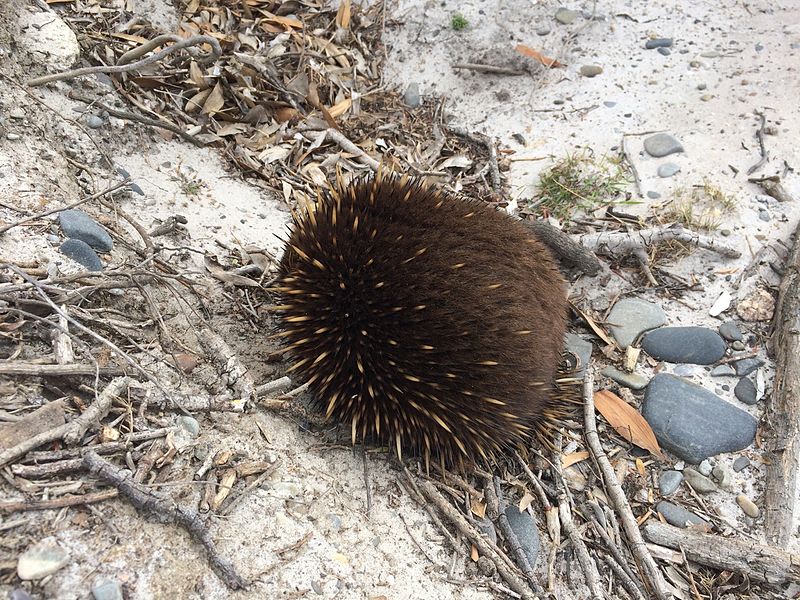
x: 233, y: 372
x: 73, y: 430
x: 760, y: 137
x: 61, y: 502
x: 628, y: 157
x: 24, y: 369
x: 486, y: 142
x: 773, y: 186
x: 367, y: 485
x: 618, y: 244
x: 590, y: 573
x: 482, y: 68
x: 124, y: 68
x: 165, y: 510
x: 273, y: 386
x: 647, y: 566
x: 46, y: 213
x: 149, y: 249
x: 336, y: 136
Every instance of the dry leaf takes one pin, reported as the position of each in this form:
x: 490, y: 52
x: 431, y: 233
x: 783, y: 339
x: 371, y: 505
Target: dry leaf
x: 288, y: 22
x: 194, y: 103
x: 473, y: 554
x: 340, y: 107
x: 627, y: 421
x: 525, y: 502
x: 343, y: 15
x: 575, y: 457
x: 217, y: 271
x: 599, y: 332
x: 538, y: 56
x: 478, y: 508
x: 215, y: 101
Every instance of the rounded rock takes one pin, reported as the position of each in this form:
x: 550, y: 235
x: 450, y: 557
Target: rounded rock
x: 748, y: 506
x: 630, y: 317
x: 662, y: 144
x: 745, y: 391
x: 669, y: 482
x: 668, y: 169
x: 41, y: 560
x: 695, y: 345
x: 82, y: 253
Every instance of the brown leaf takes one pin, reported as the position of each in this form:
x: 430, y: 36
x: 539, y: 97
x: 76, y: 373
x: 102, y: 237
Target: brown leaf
x: 627, y: 421
x: 478, y: 508
x: 214, y: 102
x: 575, y: 457
x: 217, y: 271
x: 343, y: 15
x: 599, y: 332
x: 538, y: 56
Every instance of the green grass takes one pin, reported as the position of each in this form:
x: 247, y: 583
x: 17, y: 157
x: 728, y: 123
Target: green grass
x: 579, y: 182
x: 458, y: 22
x: 701, y: 208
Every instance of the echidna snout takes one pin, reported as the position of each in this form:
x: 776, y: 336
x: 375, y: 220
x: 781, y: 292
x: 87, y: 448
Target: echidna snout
x: 422, y: 319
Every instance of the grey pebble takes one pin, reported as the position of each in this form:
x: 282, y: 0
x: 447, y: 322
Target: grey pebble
x: 741, y: 463
x: 658, y: 43
x: 609, y: 103
x: 745, y: 391
x: 701, y: 86
x: 677, y: 515
x: 669, y: 482
x: 653, y: 195
x: 630, y: 317
x: 693, y: 422
x: 747, y: 365
x: 763, y: 214
x: 668, y: 169
x: 134, y: 187
x: 591, y: 70
x: 108, y: 590
x: 738, y: 346
x: 730, y: 331
x: 77, y: 224
x: 633, y: 381
x: 723, y: 476
x: 17, y: 113
x: 543, y: 30
x: 581, y: 348
x: 81, y: 253
x: 723, y: 371
x: 699, y: 482
x: 41, y: 560
x: 695, y: 345
x: 523, y: 525
x: 687, y: 370
x: 662, y: 144
x: 566, y: 16
x: 94, y: 122
x: 188, y: 424
x: 12, y: 137
x: 664, y: 51
x: 705, y: 467
x: 411, y: 96
x: 19, y: 594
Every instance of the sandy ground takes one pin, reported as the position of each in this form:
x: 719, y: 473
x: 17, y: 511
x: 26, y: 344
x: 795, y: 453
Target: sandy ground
x: 395, y: 552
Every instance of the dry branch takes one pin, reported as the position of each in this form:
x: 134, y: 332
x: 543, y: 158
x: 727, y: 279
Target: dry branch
x: 758, y: 561
x: 24, y: 369
x: 783, y: 408
x: 616, y: 244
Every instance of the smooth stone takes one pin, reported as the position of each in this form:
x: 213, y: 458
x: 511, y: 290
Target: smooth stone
x: 108, y: 590
x: 581, y: 348
x: 687, y: 370
x: 664, y: 51
x: 658, y: 43
x: 610, y: 103
x: 739, y: 346
x: 745, y: 391
x: 721, y: 304
x: 705, y: 467
x: 82, y: 253
x: 695, y: 345
x: 677, y: 515
x: 630, y: 317
x: 629, y: 380
x: 693, y: 422
x: 19, y: 594
x: 723, y: 476
x: 723, y: 371
x: 566, y: 16
x: 701, y: 86
x: 653, y: 195
x: 77, y: 224
x: 669, y: 482
x: 591, y: 70
x: 543, y: 30
x: 523, y: 525
x: 764, y: 215
x: 668, y: 169
x: 47, y: 35
x: 411, y: 96
x: 741, y: 463
x: 41, y: 560
x: 188, y: 424
x: 699, y: 482
x: 94, y: 122
x: 748, y: 506
x: 730, y: 331
x: 747, y: 365
x: 662, y: 144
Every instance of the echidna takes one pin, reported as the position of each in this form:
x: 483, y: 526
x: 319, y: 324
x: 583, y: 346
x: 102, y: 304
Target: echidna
x: 423, y: 319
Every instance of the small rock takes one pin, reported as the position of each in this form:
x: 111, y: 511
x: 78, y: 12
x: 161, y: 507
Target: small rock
x: 662, y: 144
x: 609, y: 103
x: 699, y: 482
x: 81, y: 253
x: 747, y: 365
x: 695, y: 345
x: 739, y: 346
x: 17, y: 113
x: 723, y: 476
x: 566, y: 16
x: 108, y: 590
x: 748, y: 506
x: 745, y: 391
x: 669, y: 482
x: 687, y: 370
x: 653, y: 195
x: 630, y: 317
x: 543, y: 30
x: 48, y: 36
x: 721, y: 304
x: 188, y: 424
x: 705, y: 467
x: 94, y: 122
x: 764, y: 215
x: 629, y: 380
x: 701, y: 86
x: 77, y: 224
x: 668, y: 169
x: 13, y: 137
x: 411, y: 97
x: 19, y: 594
x: 658, y: 43
x: 523, y: 525
x: 725, y: 370
x: 664, y: 51
x: 741, y: 463
x: 677, y: 515
x: 591, y: 70
x: 41, y: 560
x: 730, y: 331
x: 693, y: 422
x: 758, y: 306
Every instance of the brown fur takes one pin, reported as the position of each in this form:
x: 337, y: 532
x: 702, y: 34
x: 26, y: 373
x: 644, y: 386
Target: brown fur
x: 423, y: 319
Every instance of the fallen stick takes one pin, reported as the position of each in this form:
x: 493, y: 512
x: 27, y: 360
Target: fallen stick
x: 60, y: 502
x: 25, y: 369
x: 783, y: 407
x: 757, y: 561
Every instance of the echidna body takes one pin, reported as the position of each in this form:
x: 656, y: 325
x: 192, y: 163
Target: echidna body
x: 423, y: 319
